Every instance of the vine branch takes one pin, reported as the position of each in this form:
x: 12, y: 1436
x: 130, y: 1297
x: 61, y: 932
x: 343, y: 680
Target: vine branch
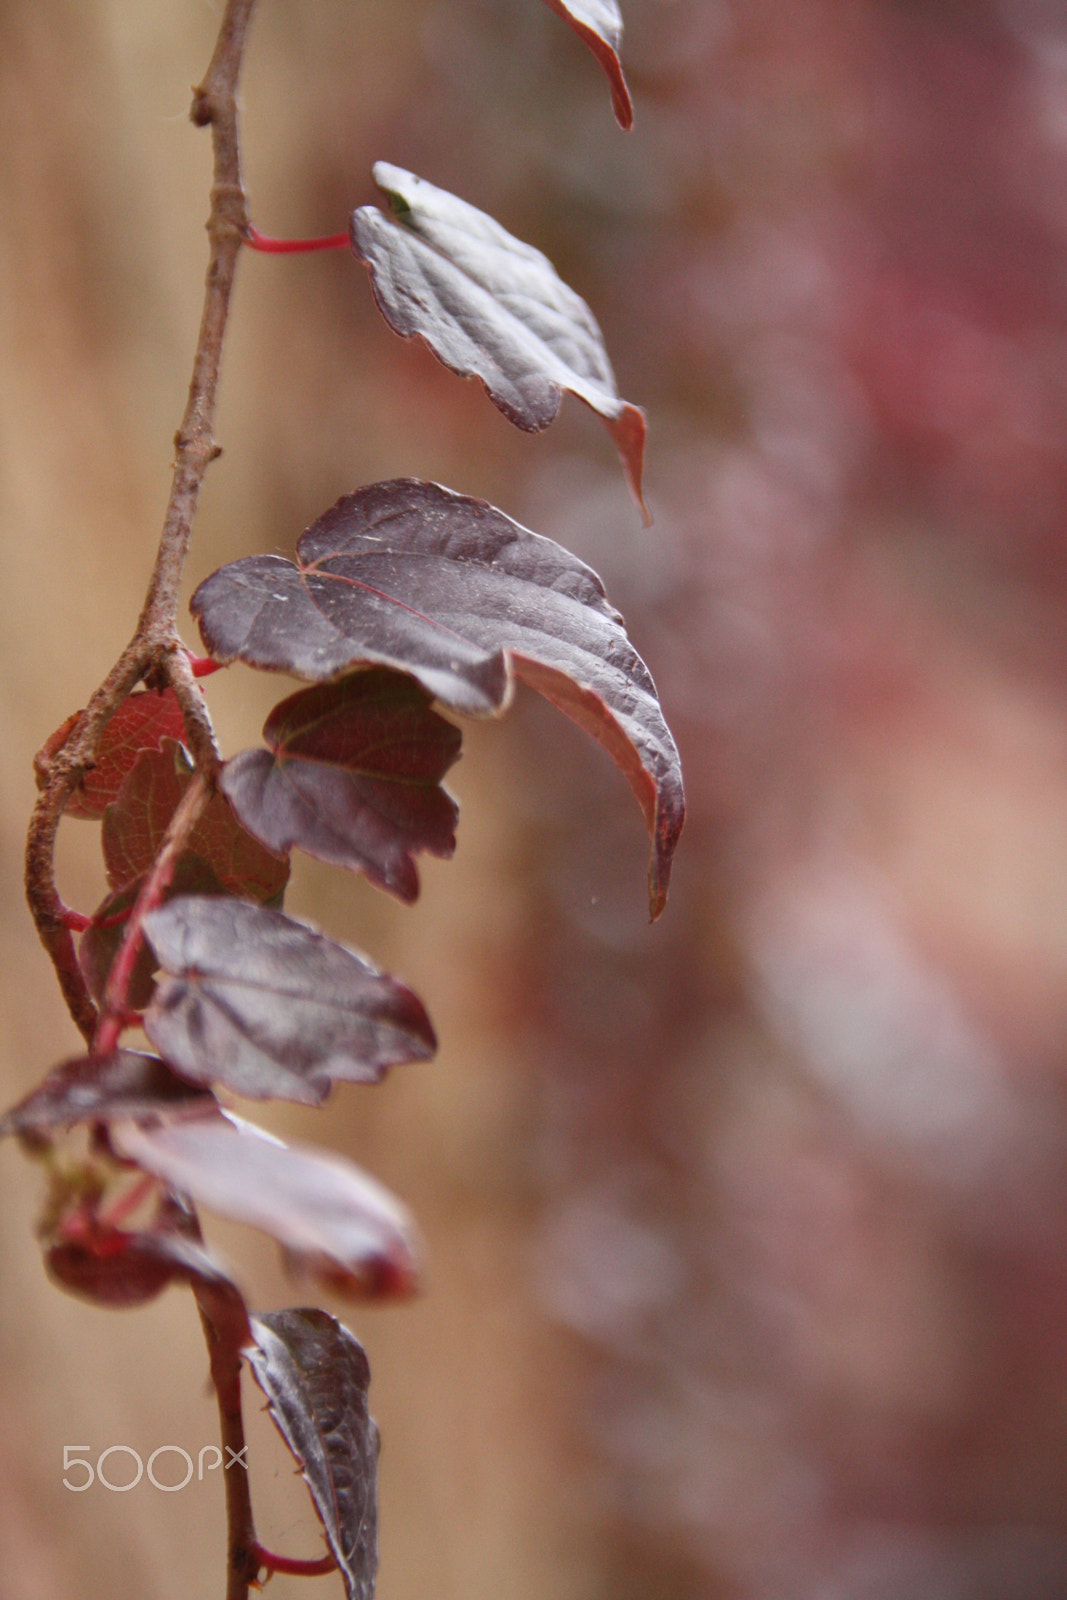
x: 155, y: 653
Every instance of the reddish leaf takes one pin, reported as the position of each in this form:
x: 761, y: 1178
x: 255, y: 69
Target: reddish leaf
x: 93, y: 1088
x: 315, y: 1377
x: 271, y: 1009
x: 352, y: 776
x: 141, y: 723
x: 118, y: 1269
x: 134, y: 827
x: 412, y: 576
x: 99, y: 944
x: 325, y: 1211
x: 599, y: 23
x: 490, y: 307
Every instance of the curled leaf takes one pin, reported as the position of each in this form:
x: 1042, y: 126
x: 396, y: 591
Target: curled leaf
x: 352, y: 775
x: 412, y: 576
x: 268, y: 1008
x: 113, y: 1268
x: 318, y: 1206
x: 599, y: 23
x: 315, y: 1377
x: 490, y: 307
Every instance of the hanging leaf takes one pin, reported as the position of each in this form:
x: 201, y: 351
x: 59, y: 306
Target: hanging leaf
x: 113, y: 1268
x: 141, y: 722
x: 412, y: 576
x: 599, y: 23
x: 135, y: 824
x: 490, y: 307
x: 91, y: 1088
x: 315, y: 1377
x: 334, y: 1219
x: 270, y: 1009
x: 352, y: 776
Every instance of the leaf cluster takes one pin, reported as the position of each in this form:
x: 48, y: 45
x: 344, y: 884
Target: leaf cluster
x: 406, y: 607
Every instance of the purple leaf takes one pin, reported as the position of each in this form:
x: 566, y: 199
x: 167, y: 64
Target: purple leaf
x: 352, y: 776
x: 490, y: 307
x: 412, y: 576
x: 333, y: 1218
x: 315, y: 1377
x: 93, y: 1088
x: 599, y: 23
x: 269, y: 1008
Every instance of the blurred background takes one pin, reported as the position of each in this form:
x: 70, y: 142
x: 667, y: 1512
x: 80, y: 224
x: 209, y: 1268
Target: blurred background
x: 746, y: 1233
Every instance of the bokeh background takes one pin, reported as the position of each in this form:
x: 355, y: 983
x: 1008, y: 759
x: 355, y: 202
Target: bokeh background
x: 747, y: 1231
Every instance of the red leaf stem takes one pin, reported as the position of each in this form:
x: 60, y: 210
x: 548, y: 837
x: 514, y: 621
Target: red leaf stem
x: 116, y: 1006
x: 203, y: 666
x: 284, y: 247
x: 299, y: 1569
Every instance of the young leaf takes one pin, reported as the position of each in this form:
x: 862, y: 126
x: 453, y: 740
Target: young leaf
x: 331, y: 1216
x: 598, y: 22
x: 113, y: 1268
x: 141, y: 723
x: 490, y: 307
x: 135, y: 824
x: 315, y: 1377
x: 92, y: 1088
x: 439, y: 585
x: 352, y: 775
x: 270, y: 1009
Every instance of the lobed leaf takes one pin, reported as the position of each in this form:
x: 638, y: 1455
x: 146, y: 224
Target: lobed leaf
x: 409, y: 575
x: 490, y: 307
x: 91, y: 1088
x: 352, y: 776
x: 315, y: 1377
x: 135, y: 824
x: 141, y: 722
x: 599, y: 23
x: 325, y: 1211
x: 268, y: 1008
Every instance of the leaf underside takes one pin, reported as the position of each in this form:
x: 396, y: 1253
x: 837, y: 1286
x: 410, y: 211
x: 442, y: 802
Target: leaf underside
x: 409, y: 575
x: 135, y: 825
x: 334, y: 1221
x: 315, y: 1377
x: 599, y: 23
x: 267, y: 1008
x: 490, y: 307
x: 352, y: 775
x: 141, y: 722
